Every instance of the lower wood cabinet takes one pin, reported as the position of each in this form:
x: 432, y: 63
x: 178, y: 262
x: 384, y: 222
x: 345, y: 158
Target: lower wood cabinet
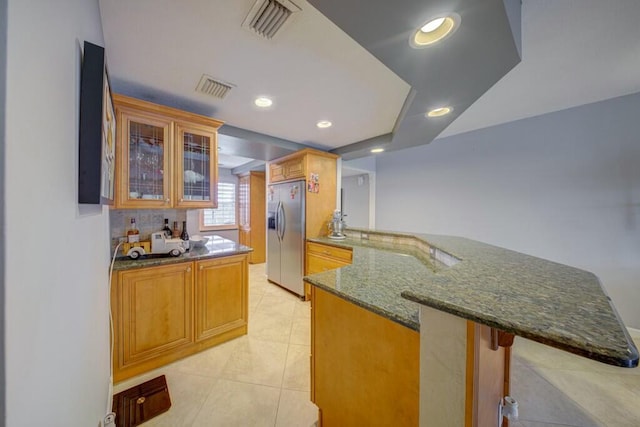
x: 364, y: 368
x: 164, y: 313
x: 319, y: 258
x: 221, y: 305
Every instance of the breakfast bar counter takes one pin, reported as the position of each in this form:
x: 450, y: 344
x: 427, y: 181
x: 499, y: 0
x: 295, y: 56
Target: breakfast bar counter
x: 427, y: 322
x: 561, y: 306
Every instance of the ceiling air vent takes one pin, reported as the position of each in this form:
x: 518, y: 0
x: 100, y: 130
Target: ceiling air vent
x: 210, y: 86
x: 266, y: 17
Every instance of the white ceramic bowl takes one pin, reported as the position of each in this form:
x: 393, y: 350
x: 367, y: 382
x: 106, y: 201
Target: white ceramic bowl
x: 198, y: 241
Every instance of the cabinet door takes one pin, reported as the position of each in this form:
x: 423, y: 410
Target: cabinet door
x: 145, y: 161
x: 276, y: 172
x: 221, y: 296
x: 155, y: 311
x: 295, y: 168
x: 257, y: 213
x: 196, y: 166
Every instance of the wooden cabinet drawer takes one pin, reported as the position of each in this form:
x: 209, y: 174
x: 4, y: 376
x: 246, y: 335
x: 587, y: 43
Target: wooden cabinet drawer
x: 318, y: 264
x: 339, y: 254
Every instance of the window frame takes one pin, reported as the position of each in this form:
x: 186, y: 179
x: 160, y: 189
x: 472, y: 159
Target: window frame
x: 234, y: 226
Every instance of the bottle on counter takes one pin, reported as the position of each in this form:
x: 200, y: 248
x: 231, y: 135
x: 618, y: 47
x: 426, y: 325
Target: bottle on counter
x: 167, y: 229
x: 133, y: 234
x: 185, y: 236
x: 176, y: 231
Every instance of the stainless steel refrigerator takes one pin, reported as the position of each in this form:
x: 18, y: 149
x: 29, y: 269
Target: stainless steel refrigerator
x: 286, y: 235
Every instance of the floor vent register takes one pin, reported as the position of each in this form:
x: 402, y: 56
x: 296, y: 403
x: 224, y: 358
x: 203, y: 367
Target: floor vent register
x: 140, y: 403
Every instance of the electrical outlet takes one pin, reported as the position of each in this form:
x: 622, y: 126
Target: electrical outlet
x: 110, y: 420
x: 122, y: 240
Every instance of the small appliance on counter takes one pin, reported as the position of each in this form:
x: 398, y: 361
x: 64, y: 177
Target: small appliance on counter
x: 337, y: 226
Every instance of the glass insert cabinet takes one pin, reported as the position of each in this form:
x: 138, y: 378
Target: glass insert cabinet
x: 167, y: 158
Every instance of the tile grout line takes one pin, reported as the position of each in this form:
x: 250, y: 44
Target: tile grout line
x: 284, y: 371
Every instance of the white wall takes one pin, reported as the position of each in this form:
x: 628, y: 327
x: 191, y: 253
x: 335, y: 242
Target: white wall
x: 563, y: 186
x: 57, y: 332
x: 356, y: 200
x: 3, y: 88
x: 355, y: 203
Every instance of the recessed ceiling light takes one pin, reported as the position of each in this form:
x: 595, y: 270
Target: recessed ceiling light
x: 432, y: 25
x: 439, y: 112
x: 435, y: 30
x: 322, y: 124
x: 263, y: 102
x: 377, y: 150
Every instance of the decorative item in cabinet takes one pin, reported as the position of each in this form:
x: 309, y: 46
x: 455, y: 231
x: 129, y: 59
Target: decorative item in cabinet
x: 252, y: 218
x: 165, y: 157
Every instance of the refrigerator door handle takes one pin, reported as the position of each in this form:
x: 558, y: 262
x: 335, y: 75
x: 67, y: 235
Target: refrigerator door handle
x: 277, y: 220
x: 283, y: 221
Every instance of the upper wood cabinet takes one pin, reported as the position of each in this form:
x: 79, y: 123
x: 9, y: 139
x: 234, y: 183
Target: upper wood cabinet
x: 291, y: 168
x: 166, y: 158
x: 252, y: 214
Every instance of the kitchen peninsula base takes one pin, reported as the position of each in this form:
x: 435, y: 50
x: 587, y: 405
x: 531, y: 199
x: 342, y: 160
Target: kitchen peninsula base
x: 366, y: 369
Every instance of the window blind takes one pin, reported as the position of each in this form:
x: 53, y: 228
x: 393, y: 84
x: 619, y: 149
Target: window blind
x: 225, y: 214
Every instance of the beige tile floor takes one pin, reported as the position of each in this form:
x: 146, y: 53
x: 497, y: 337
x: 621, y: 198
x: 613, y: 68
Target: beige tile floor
x: 262, y: 379
x: 555, y: 388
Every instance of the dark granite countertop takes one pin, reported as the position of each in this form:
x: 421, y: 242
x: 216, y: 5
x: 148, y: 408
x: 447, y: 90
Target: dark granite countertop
x: 554, y: 304
x: 216, y: 247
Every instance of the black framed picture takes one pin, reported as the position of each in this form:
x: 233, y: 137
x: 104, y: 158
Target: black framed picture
x: 96, y: 166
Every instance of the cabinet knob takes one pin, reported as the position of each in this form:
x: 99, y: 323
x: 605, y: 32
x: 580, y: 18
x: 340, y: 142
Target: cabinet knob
x: 188, y: 269
x: 167, y: 200
x: 181, y: 200
x: 141, y: 400
x: 202, y: 267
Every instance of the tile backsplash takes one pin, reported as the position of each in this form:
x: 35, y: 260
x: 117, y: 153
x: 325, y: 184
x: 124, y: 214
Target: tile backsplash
x: 147, y: 221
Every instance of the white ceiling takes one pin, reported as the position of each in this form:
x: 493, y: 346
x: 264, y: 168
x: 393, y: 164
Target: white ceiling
x: 573, y: 52
x: 311, y: 69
